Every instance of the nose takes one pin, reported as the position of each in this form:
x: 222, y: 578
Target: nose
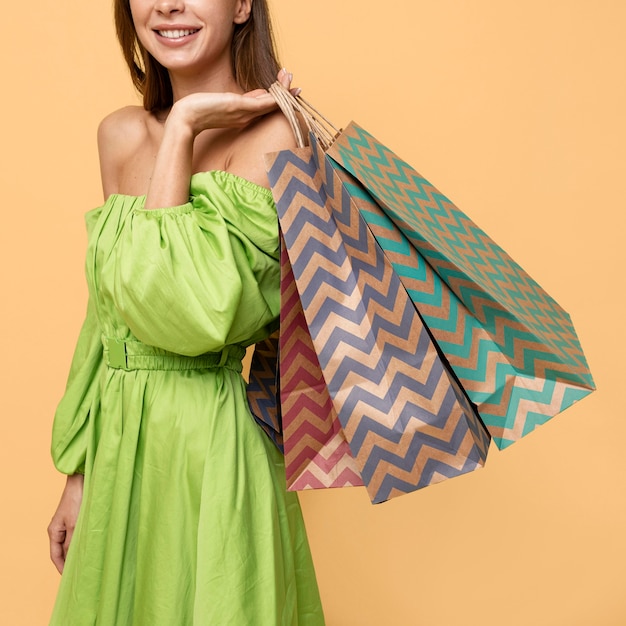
x: 167, y: 7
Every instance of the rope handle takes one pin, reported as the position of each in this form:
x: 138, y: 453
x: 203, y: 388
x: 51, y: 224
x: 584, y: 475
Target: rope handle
x: 294, y: 106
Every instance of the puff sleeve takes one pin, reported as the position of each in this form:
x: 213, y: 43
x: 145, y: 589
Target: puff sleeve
x: 194, y: 278
x: 81, y: 400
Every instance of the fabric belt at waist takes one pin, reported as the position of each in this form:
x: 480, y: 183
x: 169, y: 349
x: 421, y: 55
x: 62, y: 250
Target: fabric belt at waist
x: 134, y: 355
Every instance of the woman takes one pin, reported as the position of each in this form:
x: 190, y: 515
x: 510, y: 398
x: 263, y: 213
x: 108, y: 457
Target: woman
x: 184, y: 518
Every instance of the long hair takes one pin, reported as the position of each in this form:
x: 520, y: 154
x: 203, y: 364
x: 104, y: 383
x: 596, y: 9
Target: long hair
x: 255, y: 61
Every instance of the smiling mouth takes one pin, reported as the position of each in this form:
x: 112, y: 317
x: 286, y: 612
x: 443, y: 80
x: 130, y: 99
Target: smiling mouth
x: 177, y: 34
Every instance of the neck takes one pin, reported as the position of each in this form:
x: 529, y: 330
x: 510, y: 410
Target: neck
x: 217, y: 79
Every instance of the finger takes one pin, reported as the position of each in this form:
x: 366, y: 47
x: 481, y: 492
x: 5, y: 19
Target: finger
x: 264, y: 98
x: 285, y: 78
x: 68, y: 539
x: 58, y: 556
x: 258, y: 95
x: 57, y: 552
x: 261, y: 104
x: 255, y: 93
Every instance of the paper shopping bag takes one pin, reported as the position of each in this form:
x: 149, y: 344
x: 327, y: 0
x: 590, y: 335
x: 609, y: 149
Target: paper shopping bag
x: 513, y: 348
x: 262, y: 389
x: 317, y: 454
x: 401, y: 409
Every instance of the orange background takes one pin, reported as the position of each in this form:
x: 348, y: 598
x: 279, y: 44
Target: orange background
x: 516, y: 111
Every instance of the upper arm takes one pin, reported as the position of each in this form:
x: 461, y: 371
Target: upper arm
x: 119, y: 134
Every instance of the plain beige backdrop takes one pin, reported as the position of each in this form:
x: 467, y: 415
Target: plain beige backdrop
x: 516, y: 111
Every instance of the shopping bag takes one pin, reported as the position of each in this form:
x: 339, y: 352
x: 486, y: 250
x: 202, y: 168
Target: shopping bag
x: 521, y: 360
x: 405, y: 417
x: 262, y: 389
x: 513, y: 348
x: 317, y: 454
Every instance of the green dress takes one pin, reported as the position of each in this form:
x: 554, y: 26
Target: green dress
x: 185, y: 519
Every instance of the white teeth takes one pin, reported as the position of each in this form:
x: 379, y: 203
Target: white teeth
x: 175, y: 34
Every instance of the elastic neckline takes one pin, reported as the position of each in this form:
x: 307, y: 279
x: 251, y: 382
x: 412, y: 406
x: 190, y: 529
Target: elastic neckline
x: 216, y: 174
x: 239, y: 179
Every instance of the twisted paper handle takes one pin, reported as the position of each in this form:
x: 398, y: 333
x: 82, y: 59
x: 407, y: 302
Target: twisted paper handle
x: 295, y: 107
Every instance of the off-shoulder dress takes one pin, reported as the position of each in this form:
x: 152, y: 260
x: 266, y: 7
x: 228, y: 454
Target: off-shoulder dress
x: 185, y: 520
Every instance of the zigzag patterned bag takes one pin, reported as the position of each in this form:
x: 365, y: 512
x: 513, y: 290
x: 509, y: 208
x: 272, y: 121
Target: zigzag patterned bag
x: 404, y: 416
x: 512, y: 346
x: 513, y: 349
x: 317, y: 454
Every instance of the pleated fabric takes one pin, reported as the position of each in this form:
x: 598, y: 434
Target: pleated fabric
x: 185, y: 519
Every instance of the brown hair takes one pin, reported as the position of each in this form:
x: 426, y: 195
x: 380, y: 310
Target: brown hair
x: 255, y: 61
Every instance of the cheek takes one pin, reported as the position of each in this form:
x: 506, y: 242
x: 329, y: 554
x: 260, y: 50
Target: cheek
x: 220, y: 13
x: 140, y: 12
x: 134, y: 7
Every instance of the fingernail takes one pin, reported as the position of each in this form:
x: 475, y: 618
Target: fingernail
x: 297, y: 92
x: 290, y: 77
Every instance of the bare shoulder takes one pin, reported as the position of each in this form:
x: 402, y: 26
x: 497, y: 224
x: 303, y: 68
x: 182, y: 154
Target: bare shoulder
x: 274, y: 133
x: 119, y: 130
x: 271, y: 133
x: 120, y: 135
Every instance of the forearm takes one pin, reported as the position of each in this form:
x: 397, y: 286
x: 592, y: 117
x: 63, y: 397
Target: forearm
x: 169, y: 185
x: 189, y: 117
